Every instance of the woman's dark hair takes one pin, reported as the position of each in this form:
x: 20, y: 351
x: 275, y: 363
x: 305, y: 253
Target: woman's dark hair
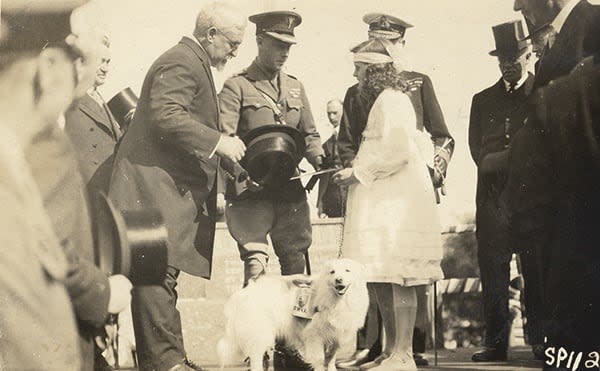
x: 381, y: 76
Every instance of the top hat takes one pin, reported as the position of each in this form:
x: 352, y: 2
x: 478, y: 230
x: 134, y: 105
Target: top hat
x: 32, y: 25
x: 273, y: 153
x: 510, y: 39
x: 121, y: 106
x: 131, y: 243
x: 385, y: 26
x: 279, y: 25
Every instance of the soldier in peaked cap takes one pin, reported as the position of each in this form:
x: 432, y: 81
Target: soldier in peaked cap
x: 263, y: 95
x: 497, y: 114
x: 430, y: 119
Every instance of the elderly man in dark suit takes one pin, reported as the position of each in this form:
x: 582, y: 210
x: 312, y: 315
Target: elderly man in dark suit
x: 429, y: 118
x: 531, y: 194
x: 168, y: 160
x: 497, y: 113
x: 331, y: 198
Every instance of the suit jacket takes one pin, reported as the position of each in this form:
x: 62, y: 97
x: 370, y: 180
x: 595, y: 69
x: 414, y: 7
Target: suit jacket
x: 427, y: 109
x: 94, y: 133
x: 56, y: 172
x: 243, y: 108
x: 568, y: 112
x: 165, y: 160
x: 578, y: 38
x: 528, y: 193
x: 496, y: 116
x: 331, y: 197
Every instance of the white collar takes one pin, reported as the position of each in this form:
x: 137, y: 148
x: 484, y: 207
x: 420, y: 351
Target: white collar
x: 336, y: 130
x: 519, y: 83
x: 558, y: 22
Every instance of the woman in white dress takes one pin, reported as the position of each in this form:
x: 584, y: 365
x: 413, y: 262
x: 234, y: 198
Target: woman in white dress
x: 391, y: 225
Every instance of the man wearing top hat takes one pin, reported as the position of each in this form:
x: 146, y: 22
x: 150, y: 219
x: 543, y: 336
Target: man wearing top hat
x: 497, y: 113
x: 430, y: 119
x: 264, y: 96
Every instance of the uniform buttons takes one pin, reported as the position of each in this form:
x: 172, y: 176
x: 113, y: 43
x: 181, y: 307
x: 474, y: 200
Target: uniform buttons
x: 95, y: 162
x: 91, y: 129
x: 94, y: 145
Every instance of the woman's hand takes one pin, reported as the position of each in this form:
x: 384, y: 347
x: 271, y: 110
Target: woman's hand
x: 344, y: 177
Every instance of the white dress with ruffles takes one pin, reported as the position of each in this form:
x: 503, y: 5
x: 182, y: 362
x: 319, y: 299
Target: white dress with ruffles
x: 392, y: 224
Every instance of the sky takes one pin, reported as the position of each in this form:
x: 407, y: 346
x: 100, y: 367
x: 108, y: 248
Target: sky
x: 449, y: 42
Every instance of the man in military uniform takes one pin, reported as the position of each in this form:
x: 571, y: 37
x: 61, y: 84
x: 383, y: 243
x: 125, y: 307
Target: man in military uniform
x: 429, y: 118
x: 497, y: 113
x: 264, y: 95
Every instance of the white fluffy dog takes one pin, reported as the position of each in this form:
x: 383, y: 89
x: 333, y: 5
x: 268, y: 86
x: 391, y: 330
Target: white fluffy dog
x: 262, y: 312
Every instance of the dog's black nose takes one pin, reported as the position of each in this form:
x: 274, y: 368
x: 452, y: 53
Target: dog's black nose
x: 339, y: 280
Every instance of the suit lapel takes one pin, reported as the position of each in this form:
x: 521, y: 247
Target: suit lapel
x: 88, y: 106
x: 203, y: 56
x: 563, y: 51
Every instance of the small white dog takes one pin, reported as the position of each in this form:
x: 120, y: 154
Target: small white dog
x: 262, y: 312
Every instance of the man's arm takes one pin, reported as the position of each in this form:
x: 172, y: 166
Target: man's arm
x: 346, y: 146
x: 314, y: 151
x: 433, y: 120
x: 475, y: 131
x: 173, y: 89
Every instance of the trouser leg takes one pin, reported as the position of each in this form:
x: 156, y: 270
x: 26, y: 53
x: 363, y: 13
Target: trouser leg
x: 249, y: 221
x: 494, y: 267
x: 291, y: 235
x: 532, y: 293
x: 157, y: 324
x: 368, y: 337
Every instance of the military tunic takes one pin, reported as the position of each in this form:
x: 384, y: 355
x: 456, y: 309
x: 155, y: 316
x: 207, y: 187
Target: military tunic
x: 247, y: 101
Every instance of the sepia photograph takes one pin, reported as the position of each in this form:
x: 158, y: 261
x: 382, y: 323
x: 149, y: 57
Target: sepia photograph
x: 299, y: 185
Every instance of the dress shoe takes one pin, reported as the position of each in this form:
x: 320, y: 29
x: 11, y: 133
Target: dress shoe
x: 359, y: 357
x: 489, y: 355
x: 538, y: 351
x: 420, y: 360
x: 374, y: 363
x: 192, y: 365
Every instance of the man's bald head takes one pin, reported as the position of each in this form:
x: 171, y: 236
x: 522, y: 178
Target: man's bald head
x: 334, y: 112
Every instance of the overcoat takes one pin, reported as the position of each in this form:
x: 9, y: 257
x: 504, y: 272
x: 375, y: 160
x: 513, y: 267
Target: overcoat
x: 166, y: 159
